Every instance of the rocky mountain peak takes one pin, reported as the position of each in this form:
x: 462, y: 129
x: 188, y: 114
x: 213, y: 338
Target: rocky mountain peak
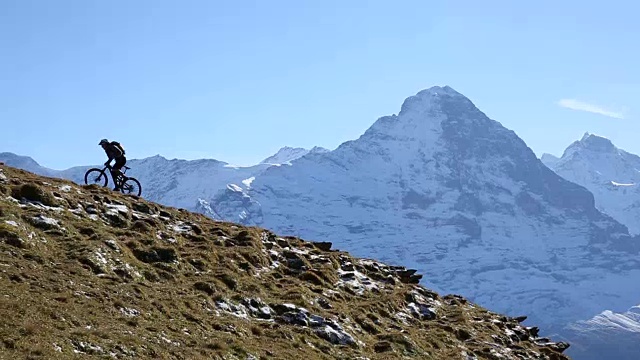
x: 318, y: 150
x: 440, y: 131
x: 549, y: 159
x: 597, y: 143
x: 592, y: 143
x: 428, y: 100
x: 610, y: 173
x: 287, y: 154
x: 433, y: 114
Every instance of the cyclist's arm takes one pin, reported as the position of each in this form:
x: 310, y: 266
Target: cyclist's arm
x: 108, y: 162
x: 110, y: 155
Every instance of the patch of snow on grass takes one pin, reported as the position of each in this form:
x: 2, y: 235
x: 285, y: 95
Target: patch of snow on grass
x: 357, y: 281
x: 123, y: 209
x: 130, y: 312
x: 180, y: 227
x: 44, y: 220
x: 100, y: 257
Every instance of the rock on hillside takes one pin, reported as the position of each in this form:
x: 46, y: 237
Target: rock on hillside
x: 88, y: 271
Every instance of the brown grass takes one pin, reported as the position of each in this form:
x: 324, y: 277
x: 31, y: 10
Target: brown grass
x: 112, y: 285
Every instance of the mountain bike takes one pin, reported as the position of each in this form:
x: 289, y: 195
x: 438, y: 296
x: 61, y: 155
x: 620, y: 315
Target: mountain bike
x: 127, y: 184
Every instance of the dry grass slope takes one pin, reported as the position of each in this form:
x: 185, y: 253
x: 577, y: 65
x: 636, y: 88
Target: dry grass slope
x: 86, y: 272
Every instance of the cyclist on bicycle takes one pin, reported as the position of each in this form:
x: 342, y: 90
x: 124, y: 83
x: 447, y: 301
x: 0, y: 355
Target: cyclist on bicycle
x: 114, y: 151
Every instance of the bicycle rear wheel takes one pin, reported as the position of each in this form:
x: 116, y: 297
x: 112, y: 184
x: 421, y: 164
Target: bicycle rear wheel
x: 131, y: 186
x: 96, y: 176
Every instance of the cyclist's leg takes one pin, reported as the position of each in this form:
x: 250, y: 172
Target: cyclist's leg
x: 116, y: 170
x: 113, y: 174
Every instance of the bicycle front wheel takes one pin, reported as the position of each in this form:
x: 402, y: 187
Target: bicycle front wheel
x: 131, y: 186
x: 96, y: 176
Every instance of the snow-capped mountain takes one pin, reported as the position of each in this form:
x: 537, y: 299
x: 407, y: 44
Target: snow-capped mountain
x: 441, y: 188
x: 608, y: 335
x: 611, y: 174
x: 456, y: 195
x: 288, y: 154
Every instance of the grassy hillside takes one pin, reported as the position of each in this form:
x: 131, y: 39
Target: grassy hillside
x: 87, y: 272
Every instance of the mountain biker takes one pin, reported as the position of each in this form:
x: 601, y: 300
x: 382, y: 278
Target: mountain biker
x: 114, y: 151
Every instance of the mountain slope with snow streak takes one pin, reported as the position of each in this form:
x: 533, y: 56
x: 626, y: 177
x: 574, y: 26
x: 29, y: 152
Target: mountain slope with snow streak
x: 610, y: 173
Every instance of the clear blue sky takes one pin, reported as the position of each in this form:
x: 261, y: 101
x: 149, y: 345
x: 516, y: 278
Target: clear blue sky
x: 237, y: 80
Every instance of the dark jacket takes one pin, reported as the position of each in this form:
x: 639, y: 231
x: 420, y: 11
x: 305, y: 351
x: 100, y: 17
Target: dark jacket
x: 113, y: 152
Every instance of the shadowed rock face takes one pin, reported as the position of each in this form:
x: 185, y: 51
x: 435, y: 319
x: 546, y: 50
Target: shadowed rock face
x: 469, y: 134
x: 93, y: 272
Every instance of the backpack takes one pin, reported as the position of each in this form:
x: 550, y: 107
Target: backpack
x: 118, y: 145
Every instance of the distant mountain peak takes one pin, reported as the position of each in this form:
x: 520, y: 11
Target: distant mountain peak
x: 23, y: 162
x: 423, y: 117
x: 549, y: 159
x: 318, y: 150
x: 426, y: 99
x: 440, y: 90
x: 288, y: 153
x: 610, y: 173
x: 18, y: 159
x: 595, y: 143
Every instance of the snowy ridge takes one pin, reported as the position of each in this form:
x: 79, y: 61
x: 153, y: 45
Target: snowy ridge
x: 625, y: 322
x: 287, y: 154
x: 608, y: 335
x: 611, y: 174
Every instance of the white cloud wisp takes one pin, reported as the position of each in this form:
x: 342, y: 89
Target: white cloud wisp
x: 582, y: 106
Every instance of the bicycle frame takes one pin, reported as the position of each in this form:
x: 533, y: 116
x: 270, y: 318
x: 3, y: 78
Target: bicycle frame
x: 122, y: 173
x: 124, y: 168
